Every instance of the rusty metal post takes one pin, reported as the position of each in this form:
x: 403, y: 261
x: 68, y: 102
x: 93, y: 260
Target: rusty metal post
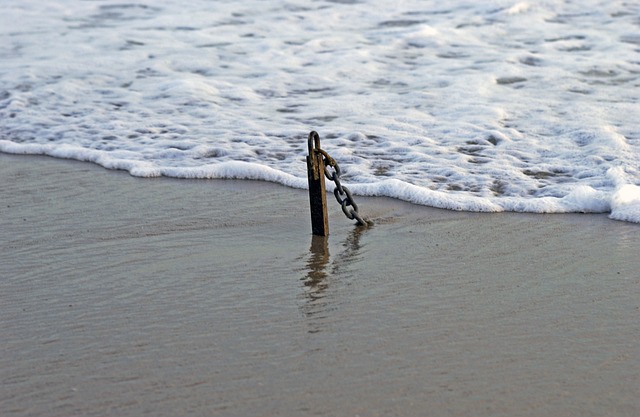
x: 317, y: 194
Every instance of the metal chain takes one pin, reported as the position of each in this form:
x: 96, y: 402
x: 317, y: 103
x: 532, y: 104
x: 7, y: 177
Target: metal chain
x: 341, y: 192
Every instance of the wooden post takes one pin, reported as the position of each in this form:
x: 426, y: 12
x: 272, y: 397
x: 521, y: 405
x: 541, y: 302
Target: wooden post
x: 317, y: 194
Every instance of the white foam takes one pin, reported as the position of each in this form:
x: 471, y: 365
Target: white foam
x: 484, y: 106
x: 625, y: 204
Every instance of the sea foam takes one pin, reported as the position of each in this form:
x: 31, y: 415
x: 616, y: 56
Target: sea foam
x: 479, y: 106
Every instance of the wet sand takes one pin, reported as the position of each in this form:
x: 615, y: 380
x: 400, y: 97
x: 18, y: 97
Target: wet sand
x: 127, y: 296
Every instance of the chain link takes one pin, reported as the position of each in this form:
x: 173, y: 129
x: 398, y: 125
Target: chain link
x: 341, y: 192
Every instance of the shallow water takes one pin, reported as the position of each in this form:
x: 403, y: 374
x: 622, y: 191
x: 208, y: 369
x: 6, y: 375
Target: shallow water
x: 492, y: 106
x: 219, y: 302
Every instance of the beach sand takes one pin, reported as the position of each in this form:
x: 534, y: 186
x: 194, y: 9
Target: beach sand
x: 128, y: 296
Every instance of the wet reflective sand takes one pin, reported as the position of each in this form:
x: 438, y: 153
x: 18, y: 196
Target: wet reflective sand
x: 126, y: 296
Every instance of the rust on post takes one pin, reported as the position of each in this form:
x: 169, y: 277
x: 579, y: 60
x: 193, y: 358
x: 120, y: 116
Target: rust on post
x: 317, y: 195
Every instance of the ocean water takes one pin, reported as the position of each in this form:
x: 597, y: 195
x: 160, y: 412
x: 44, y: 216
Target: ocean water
x: 498, y: 105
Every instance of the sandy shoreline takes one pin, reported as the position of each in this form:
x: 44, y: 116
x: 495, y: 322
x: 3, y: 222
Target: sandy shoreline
x: 128, y: 296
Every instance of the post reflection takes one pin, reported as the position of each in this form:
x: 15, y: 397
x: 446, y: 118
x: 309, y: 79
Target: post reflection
x: 322, y: 271
x: 315, y: 280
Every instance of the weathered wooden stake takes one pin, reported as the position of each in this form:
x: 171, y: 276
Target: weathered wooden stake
x: 317, y: 195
